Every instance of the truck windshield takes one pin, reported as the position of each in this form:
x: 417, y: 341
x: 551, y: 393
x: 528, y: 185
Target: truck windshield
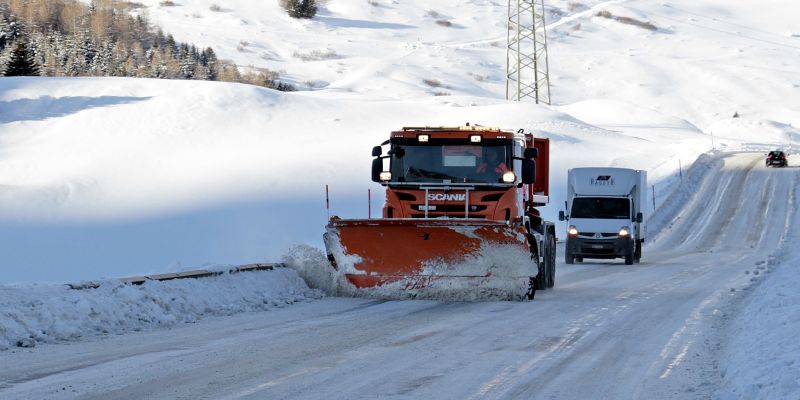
x: 600, y: 208
x: 432, y: 163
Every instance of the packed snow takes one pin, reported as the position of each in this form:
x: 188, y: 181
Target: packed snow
x: 102, y: 178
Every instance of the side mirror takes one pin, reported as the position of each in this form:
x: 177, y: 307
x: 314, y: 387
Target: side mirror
x: 377, y: 151
x: 530, y: 152
x: 528, y: 172
x: 639, y: 217
x: 561, y: 216
x: 377, y: 168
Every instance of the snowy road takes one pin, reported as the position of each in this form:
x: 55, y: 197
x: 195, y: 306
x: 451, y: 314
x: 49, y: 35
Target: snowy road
x: 653, y: 330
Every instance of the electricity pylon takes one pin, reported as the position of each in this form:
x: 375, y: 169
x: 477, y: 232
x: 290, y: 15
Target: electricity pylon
x: 527, y: 70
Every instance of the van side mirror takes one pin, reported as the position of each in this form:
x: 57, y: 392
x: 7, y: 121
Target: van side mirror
x: 639, y: 217
x: 562, y: 216
x: 531, y: 152
x: 377, y: 168
x: 377, y: 151
x: 528, y: 172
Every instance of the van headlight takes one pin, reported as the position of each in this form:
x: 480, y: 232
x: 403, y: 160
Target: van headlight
x: 509, y: 177
x: 572, y: 230
x: 624, y: 231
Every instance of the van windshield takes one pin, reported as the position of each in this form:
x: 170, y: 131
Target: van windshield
x: 601, y: 208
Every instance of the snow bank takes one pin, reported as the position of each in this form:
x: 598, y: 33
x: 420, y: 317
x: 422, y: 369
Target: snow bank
x: 766, y: 336
x: 661, y: 221
x: 55, y: 313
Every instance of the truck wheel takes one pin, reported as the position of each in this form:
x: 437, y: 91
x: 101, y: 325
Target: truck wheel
x: 541, y: 277
x: 551, y: 259
x: 535, y: 282
x: 629, y: 260
x: 637, y: 252
x: 531, y: 289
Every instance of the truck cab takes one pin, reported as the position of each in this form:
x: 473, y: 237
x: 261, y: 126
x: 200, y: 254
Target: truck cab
x: 462, y: 172
x: 605, y: 214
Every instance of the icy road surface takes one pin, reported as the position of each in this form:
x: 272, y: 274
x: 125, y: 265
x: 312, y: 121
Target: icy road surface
x: 653, y: 330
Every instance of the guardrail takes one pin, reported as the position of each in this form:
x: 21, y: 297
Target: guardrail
x: 199, y: 273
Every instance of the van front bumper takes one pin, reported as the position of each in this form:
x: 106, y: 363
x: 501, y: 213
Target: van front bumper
x: 619, y: 247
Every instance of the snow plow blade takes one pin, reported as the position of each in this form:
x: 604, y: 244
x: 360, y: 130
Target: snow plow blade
x: 430, y: 258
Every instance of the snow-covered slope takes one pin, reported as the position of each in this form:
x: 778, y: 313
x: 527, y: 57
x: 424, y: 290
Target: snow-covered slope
x: 706, y: 61
x: 115, y: 176
x: 107, y: 177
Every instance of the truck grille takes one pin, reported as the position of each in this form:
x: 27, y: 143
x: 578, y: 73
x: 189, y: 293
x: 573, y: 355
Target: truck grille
x: 440, y: 208
x: 449, y: 215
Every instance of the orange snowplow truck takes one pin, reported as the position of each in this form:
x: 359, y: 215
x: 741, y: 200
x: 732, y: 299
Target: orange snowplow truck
x: 460, y: 219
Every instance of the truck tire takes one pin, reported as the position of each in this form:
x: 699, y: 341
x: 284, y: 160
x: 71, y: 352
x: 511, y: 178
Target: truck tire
x: 629, y: 260
x: 541, y: 277
x: 637, y: 252
x: 551, y: 261
x: 534, y: 284
x: 531, y: 289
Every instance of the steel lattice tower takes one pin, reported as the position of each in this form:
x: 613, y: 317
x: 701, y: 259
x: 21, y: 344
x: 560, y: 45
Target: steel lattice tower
x: 527, y: 70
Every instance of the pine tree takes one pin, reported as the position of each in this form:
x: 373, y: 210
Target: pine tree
x: 209, y: 60
x: 300, y: 8
x: 307, y: 8
x: 169, y: 46
x: 102, y: 63
x: 3, y: 27
x: 4, y: 40
x: 187, y: 61
x: 87, y: 51
x: 21, y: 63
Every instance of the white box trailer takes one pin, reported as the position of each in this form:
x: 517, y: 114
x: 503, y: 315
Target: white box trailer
x: 605, y: 210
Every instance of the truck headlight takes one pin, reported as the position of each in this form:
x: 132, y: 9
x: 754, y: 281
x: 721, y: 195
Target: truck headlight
x: 624, y: 231
x: 509, y: 177
x: 386, y: 176
x: 572, y: 230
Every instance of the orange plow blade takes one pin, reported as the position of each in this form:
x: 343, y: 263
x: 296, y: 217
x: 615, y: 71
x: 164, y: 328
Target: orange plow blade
x: 430, y: 258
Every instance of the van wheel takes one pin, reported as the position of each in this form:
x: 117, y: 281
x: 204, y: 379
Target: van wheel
x: 629, y: 260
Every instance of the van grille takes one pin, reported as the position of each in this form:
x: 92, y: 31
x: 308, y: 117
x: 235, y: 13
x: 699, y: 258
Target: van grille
x: 592, y: 234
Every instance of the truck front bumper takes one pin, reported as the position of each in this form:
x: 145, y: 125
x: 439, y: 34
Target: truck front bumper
x: 600, y: 248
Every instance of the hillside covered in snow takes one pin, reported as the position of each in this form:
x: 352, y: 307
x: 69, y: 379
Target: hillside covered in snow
x: 109, y: 177
x: 246, y: 167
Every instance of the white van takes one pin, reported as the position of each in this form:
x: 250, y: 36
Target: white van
x: 605, y: 213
